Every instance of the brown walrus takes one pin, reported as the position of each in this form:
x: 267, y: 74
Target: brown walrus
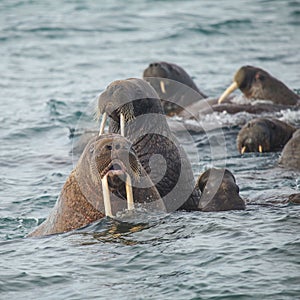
x: 256, y: 83
x: 135, y: 110
x: 107, y: 179
x: 294, y: 198
x: 164, y: 78
x: 290, y: 155
x: 264, y: 135
x: 219, y: 191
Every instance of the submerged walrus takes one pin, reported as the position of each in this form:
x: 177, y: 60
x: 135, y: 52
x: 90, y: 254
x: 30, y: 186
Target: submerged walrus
x: 290, y: 155
x: 264, y: 135
x: 219, y: 191
x: 256, y: 83
x: 134, y: 110
x: 164, y: 78
x: 107, y: 179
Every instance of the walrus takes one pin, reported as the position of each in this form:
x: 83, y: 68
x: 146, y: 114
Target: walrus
x: 290, y: 155
x: 294, y: 198
x: 264, y: 135
x: 219, y: 191
x: 164, y: 78
x: 135, y: 110
x: 106, y: 180
x: 256, y: 83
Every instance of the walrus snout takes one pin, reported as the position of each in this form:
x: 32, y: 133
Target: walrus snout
x: 264, y: 135
x: 116, y: 174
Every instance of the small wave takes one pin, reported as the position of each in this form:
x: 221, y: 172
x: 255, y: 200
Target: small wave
x: 233, y: 24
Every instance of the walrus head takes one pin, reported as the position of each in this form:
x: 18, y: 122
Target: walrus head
x: 263, y: 135
x: 109, y: 161
x: 256, y: 83
x: 219, y: 191
x: 124, y: 100
x: 170, y: 71
x: 165, y: 78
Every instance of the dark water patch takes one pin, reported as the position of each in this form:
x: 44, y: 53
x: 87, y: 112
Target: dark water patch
x: 206, y: 30
x: 19, y: 227
x: 24, y: 280
x: 271, y: 58
x: 233, y: 23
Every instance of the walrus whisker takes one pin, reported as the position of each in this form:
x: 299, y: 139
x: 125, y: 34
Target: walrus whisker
x: 106, y: 197
x: 129, y: 194
x: 260, y: 149
x: 243, y: 149
x: 122, y: 124
x: 228, y: 91
x: 102, y: 125
x: 162, y: 87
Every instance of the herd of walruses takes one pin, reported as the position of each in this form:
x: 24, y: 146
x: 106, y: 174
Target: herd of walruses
x: 139, y: 163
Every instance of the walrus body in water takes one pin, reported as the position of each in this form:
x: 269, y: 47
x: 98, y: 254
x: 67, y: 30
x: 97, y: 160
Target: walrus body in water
x: 164, y: 78
x: 264, y: 135
x: 219, y: 191
x: 290, y: 155
x: 134, y: 110
x: 107, y: 179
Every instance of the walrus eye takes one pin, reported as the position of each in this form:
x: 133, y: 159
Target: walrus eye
x: 260, y: 77
x: 92, y: 148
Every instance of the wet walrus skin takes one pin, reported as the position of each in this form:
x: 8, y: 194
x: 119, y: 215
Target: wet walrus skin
x: 219, y: 191
x: 256, y: 83
x: 264, y: 135
x: 163, y: 77
x: 81, y: 198
x: 290, y: 155
x: 158, y: 150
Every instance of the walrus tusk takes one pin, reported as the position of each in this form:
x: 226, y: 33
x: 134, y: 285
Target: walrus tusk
x: 243, y: 150
x: 260, y: 148
x: 129, y: 194
x: 106, y: 197
x: 122, y: 124
x: 162, y: 87
x: 102, y: 125
x: 228, y: 91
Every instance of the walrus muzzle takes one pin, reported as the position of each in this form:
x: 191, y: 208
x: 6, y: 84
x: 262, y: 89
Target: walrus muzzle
x: 115, y: 176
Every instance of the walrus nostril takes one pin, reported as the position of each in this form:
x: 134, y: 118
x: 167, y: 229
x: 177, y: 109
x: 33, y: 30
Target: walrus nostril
x: 155, y: 64
x: 117, y: 146
x: 115, y: 167
x: 151, y: 65
x: 108, y: 147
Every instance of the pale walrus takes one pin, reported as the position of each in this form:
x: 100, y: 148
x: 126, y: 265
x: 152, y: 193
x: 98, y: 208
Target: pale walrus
x: 106, y: 180
x: 290, y: 155
x: 163, y: 77
x: 264, y: 135
x: 256, y: 83
x: 134, y: 110
x: 219, y: 191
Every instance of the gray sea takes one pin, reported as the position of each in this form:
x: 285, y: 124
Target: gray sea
x: 56, y: 57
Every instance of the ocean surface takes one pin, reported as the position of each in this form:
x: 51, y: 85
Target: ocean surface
x: 56, y: 57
